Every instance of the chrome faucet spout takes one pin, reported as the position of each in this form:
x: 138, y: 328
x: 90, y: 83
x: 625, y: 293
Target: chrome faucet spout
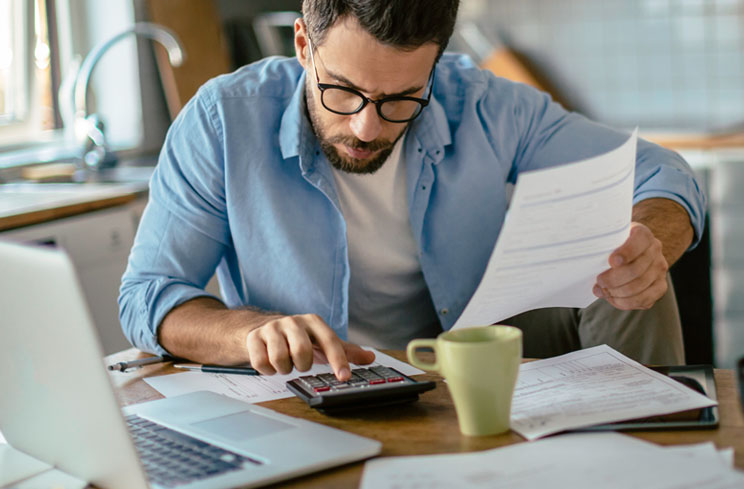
x: 76, y: 115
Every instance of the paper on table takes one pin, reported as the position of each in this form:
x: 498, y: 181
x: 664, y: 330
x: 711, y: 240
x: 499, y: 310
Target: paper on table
x: 254, y: 388
x: 16, y: 465
x: 578, y: 461
x: 727, y: 456
x: 593, y: 386
x: 562, y: 225
x: 53, y: 478
x: 707, y: 451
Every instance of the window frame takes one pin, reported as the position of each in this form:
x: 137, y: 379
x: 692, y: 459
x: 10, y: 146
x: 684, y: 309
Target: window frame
x: 20, y: 69
x: 25, y: 129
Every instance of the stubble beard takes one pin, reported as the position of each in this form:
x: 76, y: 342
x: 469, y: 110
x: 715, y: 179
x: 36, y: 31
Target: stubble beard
x: 347, y: 163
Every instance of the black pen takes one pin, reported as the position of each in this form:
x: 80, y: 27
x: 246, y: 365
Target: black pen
x: 218, y: 369
x: 124, y: 366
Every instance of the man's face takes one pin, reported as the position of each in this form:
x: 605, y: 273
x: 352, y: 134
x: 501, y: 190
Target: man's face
x: 350, y: 57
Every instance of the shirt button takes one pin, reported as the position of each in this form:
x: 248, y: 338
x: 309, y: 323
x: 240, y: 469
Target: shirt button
x: 444, y: 311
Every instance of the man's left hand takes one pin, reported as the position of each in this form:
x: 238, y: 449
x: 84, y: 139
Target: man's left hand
x: 637, y: 275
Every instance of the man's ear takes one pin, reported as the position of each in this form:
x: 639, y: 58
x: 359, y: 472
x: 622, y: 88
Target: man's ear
x: 301, y: 43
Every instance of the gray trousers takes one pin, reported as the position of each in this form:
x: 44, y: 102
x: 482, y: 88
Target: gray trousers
x: 651, y: 337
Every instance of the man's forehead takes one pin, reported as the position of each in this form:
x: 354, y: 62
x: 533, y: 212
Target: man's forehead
x: 354, y: 57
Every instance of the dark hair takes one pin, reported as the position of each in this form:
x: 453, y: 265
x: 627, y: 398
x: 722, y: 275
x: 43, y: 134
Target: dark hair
x: 406, y: 24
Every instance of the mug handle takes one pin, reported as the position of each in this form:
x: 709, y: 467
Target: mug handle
x: 414, y: 345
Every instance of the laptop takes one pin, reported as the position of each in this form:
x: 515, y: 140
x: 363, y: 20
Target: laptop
x: 58, y: 405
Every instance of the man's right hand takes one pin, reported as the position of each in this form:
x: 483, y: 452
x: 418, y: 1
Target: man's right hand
x: 205, y: 331
x: 295, y: 341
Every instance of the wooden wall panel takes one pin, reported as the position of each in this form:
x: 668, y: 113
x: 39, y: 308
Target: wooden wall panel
x: 198, y: 26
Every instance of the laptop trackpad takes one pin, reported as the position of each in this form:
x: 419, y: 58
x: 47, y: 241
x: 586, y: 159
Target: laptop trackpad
x: 242, y: 426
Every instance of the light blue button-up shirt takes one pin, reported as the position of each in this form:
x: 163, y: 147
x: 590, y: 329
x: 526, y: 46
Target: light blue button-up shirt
x: 242, y: 185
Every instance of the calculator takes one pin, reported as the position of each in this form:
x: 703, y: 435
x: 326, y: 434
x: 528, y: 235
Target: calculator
x: 368, y: 387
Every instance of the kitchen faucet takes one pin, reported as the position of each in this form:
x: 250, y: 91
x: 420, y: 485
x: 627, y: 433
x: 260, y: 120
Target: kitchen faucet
x: 86, y: 130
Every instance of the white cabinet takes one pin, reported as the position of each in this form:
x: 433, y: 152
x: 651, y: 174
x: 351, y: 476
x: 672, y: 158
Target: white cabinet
x: 98, y: 243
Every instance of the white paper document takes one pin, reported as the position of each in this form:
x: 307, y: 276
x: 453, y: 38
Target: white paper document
x: 562, y: 225
x: 16, y: 466
x: 52, y: 479
x: 576, y: 461
x: 255, y: 388
x: 593, y: 386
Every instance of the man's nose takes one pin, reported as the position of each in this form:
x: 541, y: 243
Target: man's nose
x: 366, y: 124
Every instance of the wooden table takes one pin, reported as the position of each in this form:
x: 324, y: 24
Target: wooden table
x: 429, y: 426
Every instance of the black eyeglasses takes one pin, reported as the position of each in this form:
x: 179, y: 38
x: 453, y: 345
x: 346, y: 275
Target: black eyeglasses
x: 346, y: 101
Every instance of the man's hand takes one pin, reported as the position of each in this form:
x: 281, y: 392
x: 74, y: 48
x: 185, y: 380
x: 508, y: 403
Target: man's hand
x: 659, y: 234
x: 637, y: 277
x: 204, y: 330
x: 295, y: 341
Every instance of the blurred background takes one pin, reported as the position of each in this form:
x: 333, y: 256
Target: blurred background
x: 83, y: 114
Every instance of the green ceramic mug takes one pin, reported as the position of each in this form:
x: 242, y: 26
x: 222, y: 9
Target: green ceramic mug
x: 480, y: 365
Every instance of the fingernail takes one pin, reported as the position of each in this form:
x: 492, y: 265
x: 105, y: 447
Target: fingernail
x: 343, y: 373
x: 617, y: 260
x: 597, y: 291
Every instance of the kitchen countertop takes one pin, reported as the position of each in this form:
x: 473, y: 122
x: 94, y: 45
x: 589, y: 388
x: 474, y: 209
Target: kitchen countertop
x: 24, y: 204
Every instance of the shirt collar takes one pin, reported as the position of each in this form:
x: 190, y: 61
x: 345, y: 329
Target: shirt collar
x: 296, y: 135
x: 431, y: 130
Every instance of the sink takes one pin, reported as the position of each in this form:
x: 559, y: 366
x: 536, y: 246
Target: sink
x: 60, y: 162
x: 122, y: 174
x: 19, y: 196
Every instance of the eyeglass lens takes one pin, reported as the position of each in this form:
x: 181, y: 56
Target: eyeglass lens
x: 346, y: 102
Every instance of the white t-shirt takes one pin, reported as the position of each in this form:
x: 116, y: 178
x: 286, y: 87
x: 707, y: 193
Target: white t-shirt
x: 389, y: 302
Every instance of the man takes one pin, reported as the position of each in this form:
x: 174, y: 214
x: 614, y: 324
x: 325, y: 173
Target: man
x: 357, y: 192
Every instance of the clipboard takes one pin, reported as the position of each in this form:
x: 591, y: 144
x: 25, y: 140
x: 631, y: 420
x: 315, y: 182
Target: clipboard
x: 697, y: 377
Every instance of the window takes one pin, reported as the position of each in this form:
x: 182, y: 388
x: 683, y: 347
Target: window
x: 41, y: 40
x: 26, y: 90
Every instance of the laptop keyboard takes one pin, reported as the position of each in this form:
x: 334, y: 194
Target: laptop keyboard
x: 172, y: 459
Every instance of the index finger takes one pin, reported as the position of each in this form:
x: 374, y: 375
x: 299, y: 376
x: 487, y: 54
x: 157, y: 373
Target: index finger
x: 638, y: 241
x: 332, y: 347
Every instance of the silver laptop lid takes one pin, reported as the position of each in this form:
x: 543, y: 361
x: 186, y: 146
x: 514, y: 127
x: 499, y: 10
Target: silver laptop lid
x: 57, y: 402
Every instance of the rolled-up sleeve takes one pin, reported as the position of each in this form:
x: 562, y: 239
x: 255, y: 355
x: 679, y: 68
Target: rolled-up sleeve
x: 663, y: 173
x: 183, y: 232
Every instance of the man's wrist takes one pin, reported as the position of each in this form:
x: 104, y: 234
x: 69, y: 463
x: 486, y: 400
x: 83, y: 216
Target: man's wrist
x: 669, y: 222
x: 206, y: 331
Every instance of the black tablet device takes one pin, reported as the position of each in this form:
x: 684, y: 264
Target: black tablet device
x: 697, y: 377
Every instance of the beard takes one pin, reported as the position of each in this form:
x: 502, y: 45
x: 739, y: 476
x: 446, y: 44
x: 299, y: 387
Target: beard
x: 346, y: 163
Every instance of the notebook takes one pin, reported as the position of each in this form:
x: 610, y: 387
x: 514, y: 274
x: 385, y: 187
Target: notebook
x: 57, y: 403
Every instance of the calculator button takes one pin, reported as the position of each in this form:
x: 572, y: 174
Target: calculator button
x: 356, y: 380
x: 376, y: 381
x: 395, y: 379
x: 384, y: 372
x: 322, y: 388
x: 312, y: 381
x: 330, y: 379
x: 366, y: 374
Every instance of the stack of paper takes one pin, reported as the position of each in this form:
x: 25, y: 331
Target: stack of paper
x: 593, y: 386
x: 590, y: 460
